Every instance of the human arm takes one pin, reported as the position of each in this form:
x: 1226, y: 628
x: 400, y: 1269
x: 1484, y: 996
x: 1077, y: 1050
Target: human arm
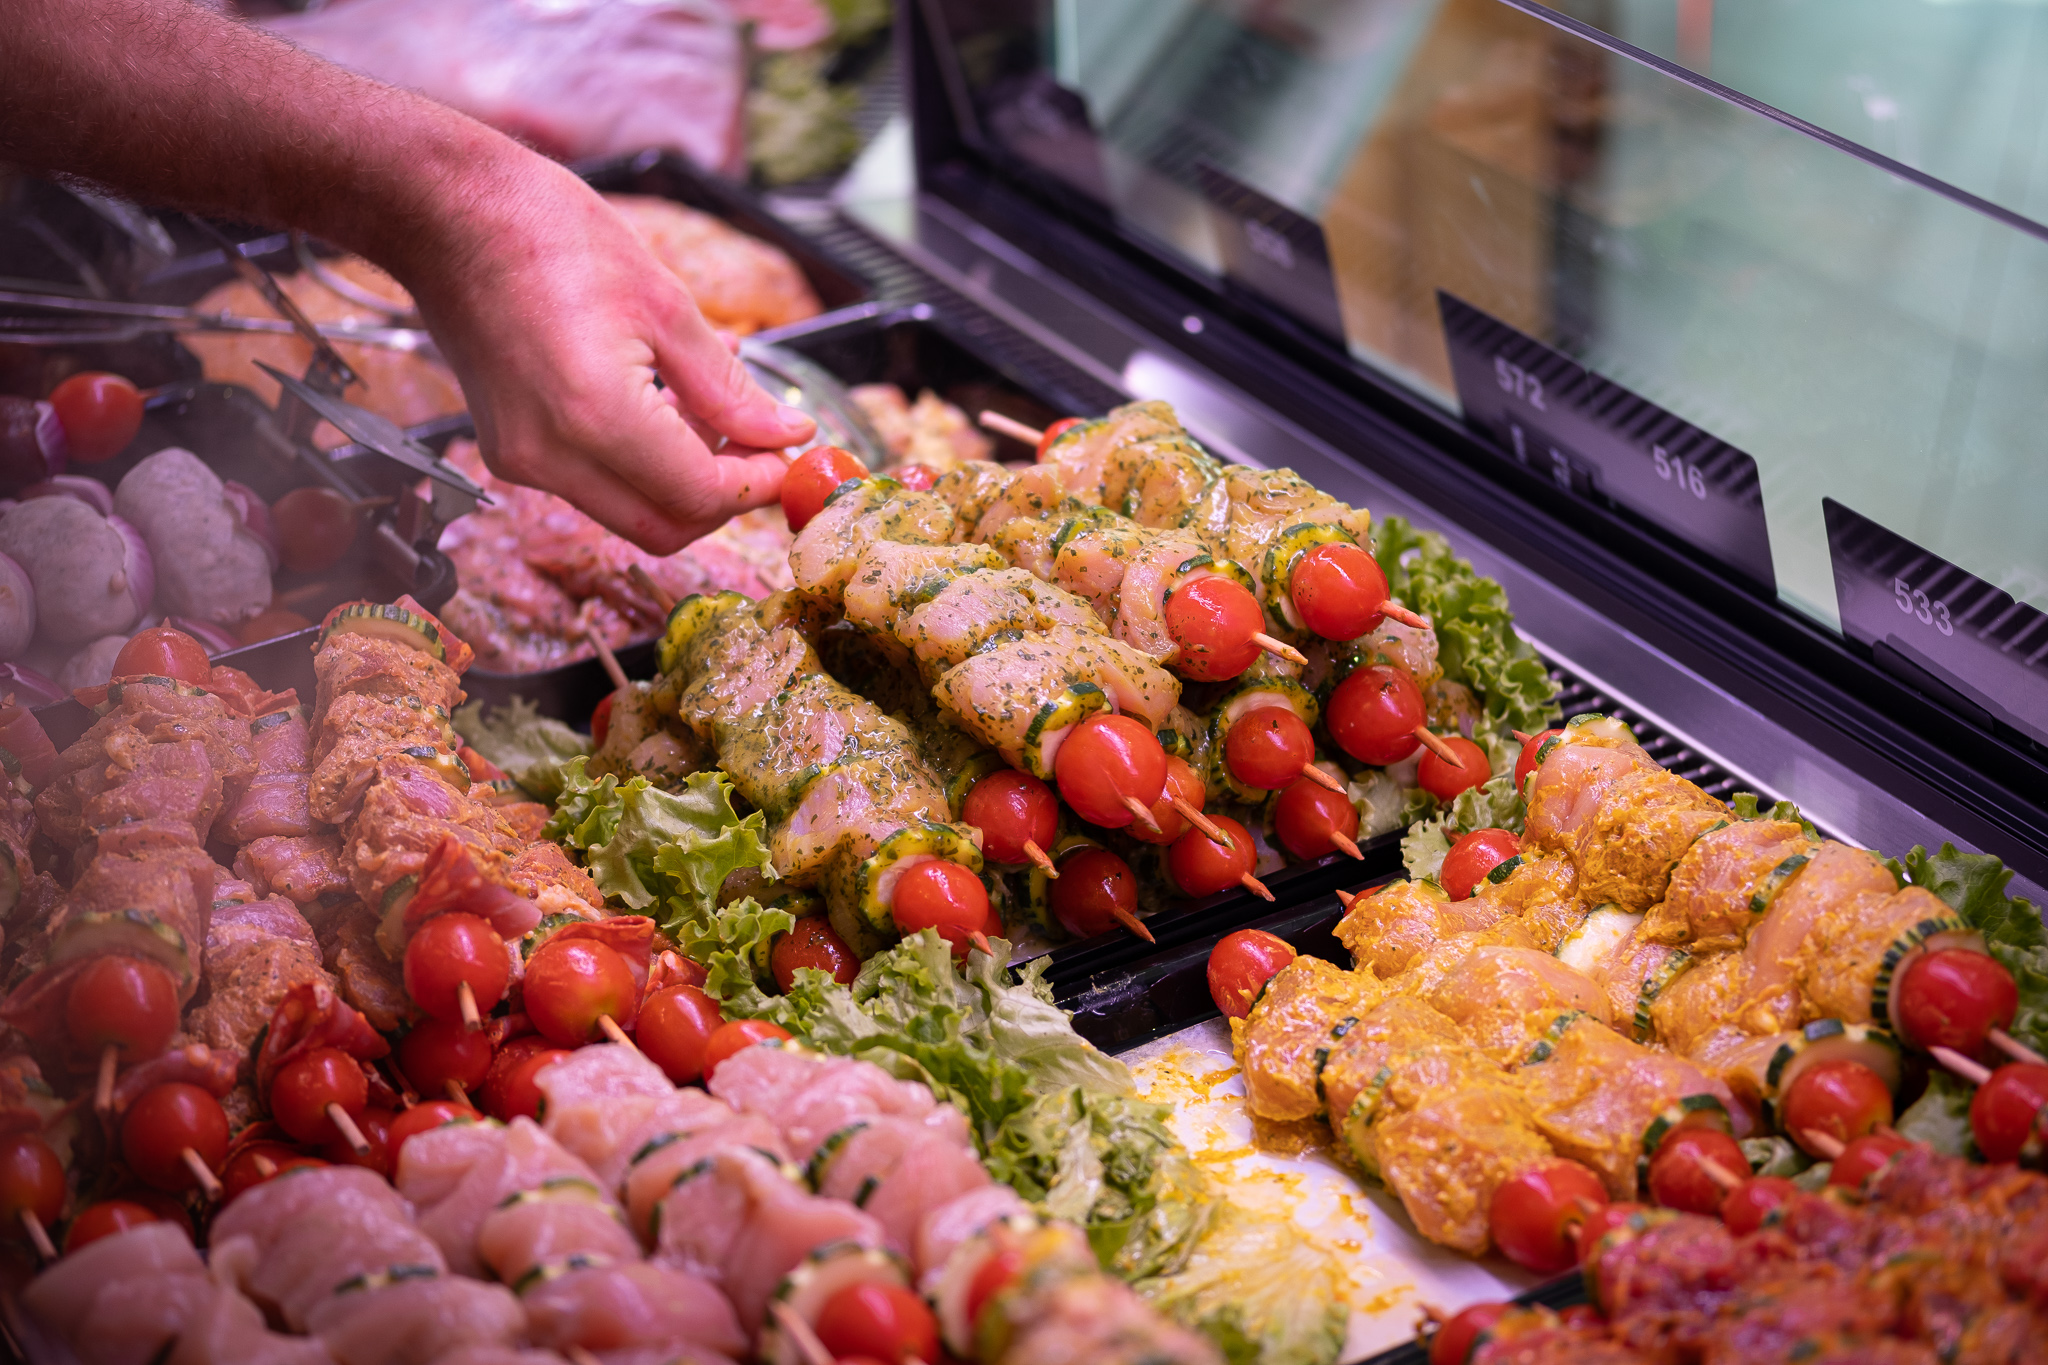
x: 555, y: 318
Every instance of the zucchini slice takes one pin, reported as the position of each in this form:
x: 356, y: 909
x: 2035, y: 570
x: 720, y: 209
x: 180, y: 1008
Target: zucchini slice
x: 127, y: 933
x: 1546, y: 1046
x: 1693, y: 1111
x: 1241, y: 701
x: 814, y: 1170
x: 1036, y: 902
x: 1598, y: 935
x: 1364, y: 1111
x: 1337, y: 1031
x: 1283, y: 554
x: 826, y: 1271
x: 1774, y: 881
x: 687, y: 622
x: 548, y: 1271
x: 380, y: 1279
x: 1829, y: 1040
x: 1929, y: 935
x: 1654, y: 982
x: 1055, y: 719
x: 869, y: 885
x: 385, y: 621
x: 441, y: 764
x: 1585, y: 725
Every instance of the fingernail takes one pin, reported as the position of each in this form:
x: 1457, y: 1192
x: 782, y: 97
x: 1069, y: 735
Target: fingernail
x: 792, y: 417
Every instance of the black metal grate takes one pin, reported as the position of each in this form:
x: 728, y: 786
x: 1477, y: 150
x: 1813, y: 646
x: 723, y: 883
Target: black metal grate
x: 1575, y: 695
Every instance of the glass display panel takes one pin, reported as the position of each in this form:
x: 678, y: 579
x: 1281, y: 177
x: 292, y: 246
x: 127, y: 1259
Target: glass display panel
x: 1863, y: 337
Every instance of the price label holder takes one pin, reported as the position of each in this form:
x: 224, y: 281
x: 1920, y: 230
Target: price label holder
x: 1940, y: 628
x: 1272, y: 251
x: 1592, y: 437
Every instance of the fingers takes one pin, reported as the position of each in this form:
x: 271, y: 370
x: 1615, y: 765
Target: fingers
x: 713, y: 385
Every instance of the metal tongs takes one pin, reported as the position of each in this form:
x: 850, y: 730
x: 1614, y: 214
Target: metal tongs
x: 117, y: 321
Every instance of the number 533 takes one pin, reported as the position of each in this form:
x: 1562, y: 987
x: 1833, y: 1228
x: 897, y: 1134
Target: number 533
x: 1915, y: 603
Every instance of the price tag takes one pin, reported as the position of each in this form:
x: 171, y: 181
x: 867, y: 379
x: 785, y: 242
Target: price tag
x: 1271, y: 250
x: 1549, y: 413
x: 1928, y: 620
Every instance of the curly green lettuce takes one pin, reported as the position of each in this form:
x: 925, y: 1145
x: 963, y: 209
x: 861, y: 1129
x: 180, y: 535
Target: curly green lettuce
x: 1260, y: 1290
x: 534, y: 750
x: 1476, y: 640
x: 1495, y: 804
x: 1973, y: 885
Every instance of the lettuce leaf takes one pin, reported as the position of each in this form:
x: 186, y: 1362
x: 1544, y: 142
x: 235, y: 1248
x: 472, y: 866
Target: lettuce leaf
x: 1476, y: 640
x: 667, y: 852
x: 534, y: 750
x: 1494, y: 805
x: 1258, y: 1289
x: 1750, y: 806
x: 1973, y: 885
x: 1941, y: 1116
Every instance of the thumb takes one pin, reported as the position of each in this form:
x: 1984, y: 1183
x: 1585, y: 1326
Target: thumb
x: 715, y: 388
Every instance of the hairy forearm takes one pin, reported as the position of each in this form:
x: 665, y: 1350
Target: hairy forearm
x: 173, y: 105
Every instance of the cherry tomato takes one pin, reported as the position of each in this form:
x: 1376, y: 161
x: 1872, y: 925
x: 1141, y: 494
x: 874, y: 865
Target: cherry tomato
x: 100, y: 414
x: 257, y: 1162
x: 1600, y: 1223
x: 1679, y: 1178
x: 676, y: 1024
x: 1241, y: 964
x: 490, y: 1096
x: 1106, y: 759
x: 1009, y: 808
x: 1338, y: 590
x: 1842, y: 1099
x: 452, y: 949
x: 1093, y: 882
x: 1268, y: 747
x: 31, y: 1181
x: 810, y: 480
x: 1213, y: 621
x: 1526, y: 764
x: 162, y: 1123
x: 570, y: 983
x: 269, y: 624
x: 104, y: 1219
x: 601, y: 721
x: 438, y: 1051
x: 2003, y: 1111
x: 1473, y: 855
x: 424, y: 1117
x: 162, y: 652
x: 1459, y: 1339
x: 518, y: 1094
x: 1535, y: 1214
x: 125, y: 1003
x: 885, y: 1321
x: 1182, y: 782
x: 375, y: 1126
x: 736, y: 1036
x: 811, y: 943
x: 1954, y: 997
x: 1750, y: 1205
x: 1373, y: 714
x: 1054, y: 432
x: 919, y: 478
x: 991, y: 1278
x: 315, y: 528
x: 1864, y: 1158
x: 305, y: 1086
x: 1203, y: 867
x: 1443, y: 780
x: 936, y: 894
x: 1308, y: 814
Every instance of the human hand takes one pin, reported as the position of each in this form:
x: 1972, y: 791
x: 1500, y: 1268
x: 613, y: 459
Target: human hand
x: 558, y: 322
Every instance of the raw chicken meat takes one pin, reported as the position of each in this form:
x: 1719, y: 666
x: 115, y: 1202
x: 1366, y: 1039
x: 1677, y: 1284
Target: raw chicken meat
x: 740, y: 283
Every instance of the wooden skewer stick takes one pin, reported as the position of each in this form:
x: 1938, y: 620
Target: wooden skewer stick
x: 1255, y: 886
x: 209, y: 1183
x: 457, y: 1093
x: 1279, y: 647
x: 1344, y: 843
x: 1039, y: 859
x: 1132, y: 923
x: 663, y: 598
x: 1975, y: 1072
x: 605, y: 657
x: 980, y: 942
x: 265, y: 1167
x: 1346, y: 898
x: 1717, y: 1173
x: 1822, y: 1144
x: 1141, y: 814
x: 1521, y: 738
x: 611, y: 1030
x: 1011, y: 427
x: 2014, y: 1048
x: 38, y: 1235
x: 466, y: 999
x: 1438, y: 747
x: 407, y: 1097
x: 581, y: 1355
x: 346, y: 1126
x: 1404, y: 616
x: 1321, y: 778
x: 799, y: 1332
x: 103, y: 1088
x: 1193, y: 815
